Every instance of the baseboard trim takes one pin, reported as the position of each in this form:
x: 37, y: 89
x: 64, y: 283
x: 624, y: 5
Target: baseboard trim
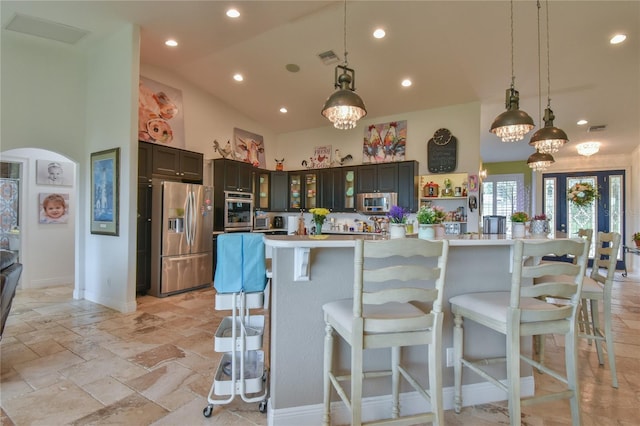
x: 380, y: 406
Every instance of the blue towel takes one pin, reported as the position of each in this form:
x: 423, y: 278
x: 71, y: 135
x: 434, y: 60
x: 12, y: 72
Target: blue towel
x: 240, y: 263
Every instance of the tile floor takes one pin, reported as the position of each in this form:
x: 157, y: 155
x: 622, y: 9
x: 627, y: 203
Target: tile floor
x: 66, y: 361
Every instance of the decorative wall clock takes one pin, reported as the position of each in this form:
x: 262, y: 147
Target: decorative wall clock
x: 442, y: 151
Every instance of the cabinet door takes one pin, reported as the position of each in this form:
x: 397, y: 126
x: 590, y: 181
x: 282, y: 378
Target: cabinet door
x: 346, y: 190
x: 191, y: 165
x: 327, y: 184
x: 145, y: 162
x: 279, y: 191
x: 166, y: 161
x: 295, y: 191
x: 245, y: 177
x: 261, y: 196
x: 387, y: 178
x: 367, y: 179
x: 143, y: 239
x: 238, y: 176
x: 408, y: 185
x: 310, y: 191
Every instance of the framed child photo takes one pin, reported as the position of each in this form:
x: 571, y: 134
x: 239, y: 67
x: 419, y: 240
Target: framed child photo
x: 57, y: 173
x: 105, y: 180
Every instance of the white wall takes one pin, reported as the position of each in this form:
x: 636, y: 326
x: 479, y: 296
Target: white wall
x: 109, y: 269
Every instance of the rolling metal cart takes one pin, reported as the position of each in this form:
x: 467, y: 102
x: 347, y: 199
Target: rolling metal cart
x: 241, y: 281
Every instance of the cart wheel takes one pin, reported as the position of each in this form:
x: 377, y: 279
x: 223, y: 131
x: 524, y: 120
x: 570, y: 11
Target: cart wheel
x: 207, y: 411
x: 263, y: 406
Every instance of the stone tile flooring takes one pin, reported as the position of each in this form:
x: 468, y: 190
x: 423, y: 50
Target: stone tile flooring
x: 66, y: 361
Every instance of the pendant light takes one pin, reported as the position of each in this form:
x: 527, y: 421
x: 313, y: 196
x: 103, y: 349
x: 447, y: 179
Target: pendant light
x: 539, y: 160
x: 513, y: 124
x: 344, y: 107
x: 548, y: 139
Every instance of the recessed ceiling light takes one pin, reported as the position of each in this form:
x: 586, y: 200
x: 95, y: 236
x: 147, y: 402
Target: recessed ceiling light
x: 618, y: 38
x: 379, y: 33
x: 406, y: 82
x: 171, y: 43
x: 582, y: 122
x: 238, y: 77
x: 233, y: 13
x: 283, y: 110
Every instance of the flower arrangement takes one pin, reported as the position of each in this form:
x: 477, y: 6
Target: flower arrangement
x: 430, y: 215
x: 519, y: 217
x: 397, y: 214
x: 582, y: 194
x: 636, y: 237
x: 319, y: 215
x: 540, y: 217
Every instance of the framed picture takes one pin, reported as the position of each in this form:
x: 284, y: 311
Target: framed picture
x: 249, y: 147
x: 384, y: 142
x: 105, y: 180
x: 57, y: 173
x: 160, y: 115
x: 473, y: 183
x: 53, y: 208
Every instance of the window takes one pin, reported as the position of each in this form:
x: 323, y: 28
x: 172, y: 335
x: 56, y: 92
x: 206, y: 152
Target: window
x: 503, y: 195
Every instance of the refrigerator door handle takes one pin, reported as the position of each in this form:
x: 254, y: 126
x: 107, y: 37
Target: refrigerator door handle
x: 192, y: 218
x: 187, y: 217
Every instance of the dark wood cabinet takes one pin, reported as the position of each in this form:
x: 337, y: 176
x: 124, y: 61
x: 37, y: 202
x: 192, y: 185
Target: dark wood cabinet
x: 279, y: 192
x: 378, y: 178
x: 230, y: 175
x: 177, y: 163
x: 145, y: 162
x: 143, y: 239
x: 303, y: 190
x: 408, y: 185
x: 328, y: 184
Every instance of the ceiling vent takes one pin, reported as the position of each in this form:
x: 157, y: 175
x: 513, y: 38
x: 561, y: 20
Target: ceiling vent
x: 329, y: 57
x: 598, y: 128
x: 45, y: 29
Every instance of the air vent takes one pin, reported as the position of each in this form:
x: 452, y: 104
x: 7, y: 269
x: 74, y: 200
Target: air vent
x: 46, y: 29
x: 329, y: 57
x: 598, y: 128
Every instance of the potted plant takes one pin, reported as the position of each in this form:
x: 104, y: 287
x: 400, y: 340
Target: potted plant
x: 427, y: 216
x: 636, y: 239
x: 397, y: 221
x: 319, y: 216
x: 518, y: 220
x: 540, y: 224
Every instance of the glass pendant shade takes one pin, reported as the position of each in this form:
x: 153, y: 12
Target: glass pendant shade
x: 344, y: 107
x: 588, y: 148
x: 548, y: 139
x: 513, y: 124
x: 539, y: 161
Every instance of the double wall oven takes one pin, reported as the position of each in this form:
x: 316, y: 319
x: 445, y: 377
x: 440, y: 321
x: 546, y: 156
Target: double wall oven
x: 238, y: 211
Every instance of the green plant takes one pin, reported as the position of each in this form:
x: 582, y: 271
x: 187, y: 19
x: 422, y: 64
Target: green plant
x: 519, y: 217
x: 430, y: 215
x: 636, y: 236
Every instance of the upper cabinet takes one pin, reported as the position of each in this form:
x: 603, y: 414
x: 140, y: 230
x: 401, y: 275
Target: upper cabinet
x: 278, y: 198
x: 145, y: 162
x: 233, y: 175
x: 177, y: 163
x: 378, y: 178
x: 261, y: 196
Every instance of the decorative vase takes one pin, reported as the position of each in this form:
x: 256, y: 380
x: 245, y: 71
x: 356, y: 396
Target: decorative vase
x: 637, y: 243
x: 319, y: 227
x: 440, y: 231
x: 426, y: 231
x: 397, y: 230
x: 539, y: 227
x: 517, y: 229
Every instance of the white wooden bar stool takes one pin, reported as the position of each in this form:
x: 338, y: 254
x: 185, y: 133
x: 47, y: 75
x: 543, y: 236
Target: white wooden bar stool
x: 597, y: 287
x: 383, y: 315
x: 521, y: 312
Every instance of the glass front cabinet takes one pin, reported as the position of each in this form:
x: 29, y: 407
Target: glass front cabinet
x: 261, y: 196
x: 303, y: 190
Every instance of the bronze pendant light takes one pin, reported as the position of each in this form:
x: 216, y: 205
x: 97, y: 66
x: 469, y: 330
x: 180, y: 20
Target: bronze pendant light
x: 513, y: 124
x: 344, y: 107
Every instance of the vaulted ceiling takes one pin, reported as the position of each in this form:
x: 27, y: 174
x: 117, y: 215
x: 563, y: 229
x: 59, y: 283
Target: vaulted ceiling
x: 454, y: 52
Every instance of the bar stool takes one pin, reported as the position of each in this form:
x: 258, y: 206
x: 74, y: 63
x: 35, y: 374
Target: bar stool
x: 521, y: 312
x: 597, y: 287
x: 381, y: 315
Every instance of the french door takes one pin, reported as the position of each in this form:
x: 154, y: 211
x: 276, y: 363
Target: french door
x: 605, y: 214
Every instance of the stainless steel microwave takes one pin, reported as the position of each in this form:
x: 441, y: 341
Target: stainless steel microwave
x: 376, y: 202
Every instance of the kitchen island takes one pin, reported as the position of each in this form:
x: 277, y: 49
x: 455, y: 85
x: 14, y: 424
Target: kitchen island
x: 309, y: 271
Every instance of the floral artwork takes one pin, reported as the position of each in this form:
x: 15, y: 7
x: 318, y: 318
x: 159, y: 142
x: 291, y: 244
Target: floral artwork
x: 384, y: 143
x: 160, y: 115
x: 249, y: 147
x: 582, y: 194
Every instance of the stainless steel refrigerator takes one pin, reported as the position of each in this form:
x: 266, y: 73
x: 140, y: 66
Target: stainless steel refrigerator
x: 181, y: 237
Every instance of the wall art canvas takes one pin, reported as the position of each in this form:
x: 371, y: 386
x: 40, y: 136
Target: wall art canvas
x: 321, y: 157
x: 58, y: 173
x: 53, y: 208
x: 249, y: 148
x: 105, y: 178
x: 385, y: 142
x: 160, y: 114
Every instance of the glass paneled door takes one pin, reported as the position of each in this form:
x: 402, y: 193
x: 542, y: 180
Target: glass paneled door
x: 605, y: 213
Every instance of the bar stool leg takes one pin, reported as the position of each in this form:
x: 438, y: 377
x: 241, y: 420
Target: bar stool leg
x: 435, y: 383
x: 513, y: 373
x: 608, y: 334
x: 395, y: 382
x: 328, y: 368
x: 458, y: 341
x: 595, y: 318
x: 571, y: 363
